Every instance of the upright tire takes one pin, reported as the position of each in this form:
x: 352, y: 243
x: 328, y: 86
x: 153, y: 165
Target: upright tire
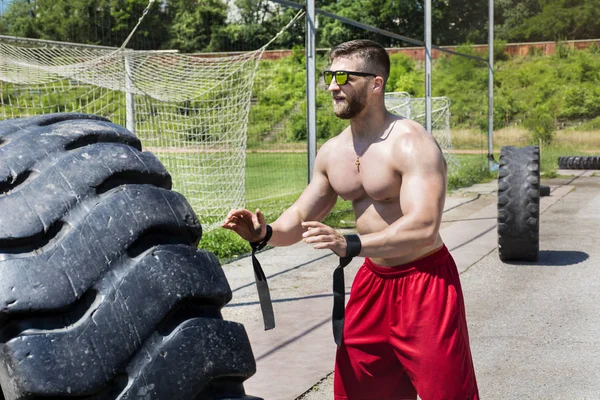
x: 518, y: 203
x: 579, y: 162
x: 103, y: 293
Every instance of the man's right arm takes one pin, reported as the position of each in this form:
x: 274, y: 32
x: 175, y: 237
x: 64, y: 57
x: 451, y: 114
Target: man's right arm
x: 317, y: 200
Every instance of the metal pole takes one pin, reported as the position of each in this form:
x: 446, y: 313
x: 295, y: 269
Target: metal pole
x: 428, y: 66
x: 311, y: 96
x: 129, y: 98
x: 491, y: 85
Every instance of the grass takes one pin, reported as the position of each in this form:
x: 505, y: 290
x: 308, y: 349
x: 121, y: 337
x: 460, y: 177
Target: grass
x: 565, y: 143
x: 273, y: 175
x: 571, y: 138
x: 475, y: 139
x: 472, y: 169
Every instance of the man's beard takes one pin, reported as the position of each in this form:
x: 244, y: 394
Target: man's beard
x: 352, y: 106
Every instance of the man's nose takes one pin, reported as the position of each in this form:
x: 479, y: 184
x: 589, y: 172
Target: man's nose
x: 333, y: 86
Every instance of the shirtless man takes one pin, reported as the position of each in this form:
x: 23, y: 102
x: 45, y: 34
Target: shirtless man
x: 405, y: 329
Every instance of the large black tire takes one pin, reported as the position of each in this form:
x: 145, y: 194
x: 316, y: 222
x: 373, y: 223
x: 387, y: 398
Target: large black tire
x: 103, y: 293
x: 519, y: 203
x: 579, y: 162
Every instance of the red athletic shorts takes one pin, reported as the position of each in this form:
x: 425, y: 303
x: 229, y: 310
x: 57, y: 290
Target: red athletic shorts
x: 405, y: 332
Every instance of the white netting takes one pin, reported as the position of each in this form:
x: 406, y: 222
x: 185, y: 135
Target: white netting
x: 398, y: 103
x: 190, y: 110
x: 414, y: 108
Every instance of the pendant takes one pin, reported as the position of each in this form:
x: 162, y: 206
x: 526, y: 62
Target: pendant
x: 357, y: 163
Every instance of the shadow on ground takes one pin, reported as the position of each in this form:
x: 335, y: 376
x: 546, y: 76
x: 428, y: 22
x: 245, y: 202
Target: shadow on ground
x: 556, y: 258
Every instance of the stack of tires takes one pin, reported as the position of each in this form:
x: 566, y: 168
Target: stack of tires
x: 103, y: 292
x: 579, y: 162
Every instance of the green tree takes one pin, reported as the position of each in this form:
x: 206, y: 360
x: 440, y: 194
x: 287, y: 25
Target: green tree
x: 256, y: 12
x: 194, y: 23
x: 564, y: 19
x: 510, y: 15
x: 19, y: 20
x: 256, y: 24
x: 250, y: 28
x: 103, y: 22
x: 152, y: 32
x: 68, y: 21
x: 453, y: 21
x: 401, y: 17
x: 541, y: 20
x: 459, y: 21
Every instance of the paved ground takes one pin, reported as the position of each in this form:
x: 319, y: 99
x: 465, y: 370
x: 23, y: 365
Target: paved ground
x: 532, y: 325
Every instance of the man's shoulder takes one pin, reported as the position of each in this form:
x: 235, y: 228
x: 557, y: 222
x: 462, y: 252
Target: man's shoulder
x: 407, y: 128
x: 410, y: 137
x: 335, y: 141
x: 407, y: 131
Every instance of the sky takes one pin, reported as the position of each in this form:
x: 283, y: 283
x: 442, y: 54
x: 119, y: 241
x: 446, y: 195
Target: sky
x: 4, y: 5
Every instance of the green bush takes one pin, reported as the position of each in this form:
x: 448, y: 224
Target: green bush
x: 594, y: 49
x: 500, y: 53
x: 464, y: 81
x: 563, y: 50
x: 405, y: 76
x: 534, y: 51
x: 327, y: 126
x: 591, y: 125
x: 462, y: 68
x: 472, y: 170
x: 580, y: 101
x: 540, y: 125
x: 566, y: 85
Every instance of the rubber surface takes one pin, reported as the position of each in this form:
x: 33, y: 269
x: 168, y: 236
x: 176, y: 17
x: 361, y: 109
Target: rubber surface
x: 518, y: 203
x: 579, y: 162
x: 103, y: 293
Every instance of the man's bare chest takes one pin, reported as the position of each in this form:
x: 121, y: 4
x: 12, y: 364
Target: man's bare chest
x: 375, y: 178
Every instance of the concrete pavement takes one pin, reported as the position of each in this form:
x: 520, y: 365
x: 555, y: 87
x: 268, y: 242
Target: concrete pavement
x: 520, y: 316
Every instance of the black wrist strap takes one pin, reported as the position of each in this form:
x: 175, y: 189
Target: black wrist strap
x: 339, y: 287
x: 262, y: 287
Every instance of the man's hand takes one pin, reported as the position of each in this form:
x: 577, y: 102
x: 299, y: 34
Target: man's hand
x: 251, y: 227
x: 324, y: 237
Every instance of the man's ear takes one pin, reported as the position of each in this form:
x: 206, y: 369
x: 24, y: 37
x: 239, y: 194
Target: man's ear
x: 378, y: 84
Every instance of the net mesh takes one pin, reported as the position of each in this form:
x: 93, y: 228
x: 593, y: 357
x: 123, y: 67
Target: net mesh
x: 398, y: 103
x: 191, y: 110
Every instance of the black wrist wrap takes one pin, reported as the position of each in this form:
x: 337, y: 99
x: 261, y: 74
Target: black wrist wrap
x: 339, y: 288
x: 262, y: 287
x: 354, y: 246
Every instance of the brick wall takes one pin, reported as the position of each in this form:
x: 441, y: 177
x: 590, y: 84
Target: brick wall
x: 418, y: 53
x: 513, y: 49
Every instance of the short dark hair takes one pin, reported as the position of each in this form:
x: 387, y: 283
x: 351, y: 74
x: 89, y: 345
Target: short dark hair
x: 376, y: 59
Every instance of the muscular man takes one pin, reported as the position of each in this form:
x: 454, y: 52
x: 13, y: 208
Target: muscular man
x: 405, y: 330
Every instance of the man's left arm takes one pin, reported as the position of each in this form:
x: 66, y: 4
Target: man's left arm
x: 422, y: 193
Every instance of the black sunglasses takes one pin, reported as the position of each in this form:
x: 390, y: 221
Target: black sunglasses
x: 341, y: 77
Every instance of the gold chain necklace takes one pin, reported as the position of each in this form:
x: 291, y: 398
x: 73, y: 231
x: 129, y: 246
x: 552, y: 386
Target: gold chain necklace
x: 357, y: 162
